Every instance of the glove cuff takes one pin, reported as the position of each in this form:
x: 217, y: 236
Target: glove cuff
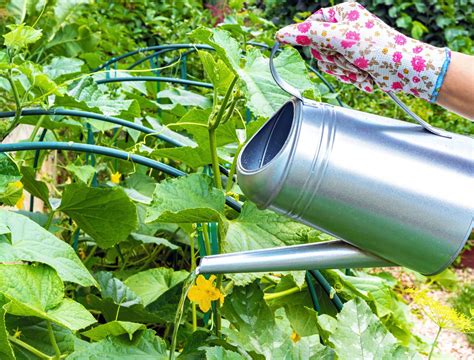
x: 441, y: 76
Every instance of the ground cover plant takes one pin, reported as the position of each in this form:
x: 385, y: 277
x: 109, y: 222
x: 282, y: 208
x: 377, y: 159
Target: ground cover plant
x: 97, y: 271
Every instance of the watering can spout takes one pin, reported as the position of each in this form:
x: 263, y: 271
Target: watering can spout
x: 323, y: 255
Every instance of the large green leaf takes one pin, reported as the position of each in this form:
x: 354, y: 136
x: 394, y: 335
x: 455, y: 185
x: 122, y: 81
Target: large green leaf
x: 64, y: 8
x: 10, y: 188
x: 35, y: 187
x: 21, y: 36
x: 247, y: 310
x: 264, y: 96
x: 39, y: 82
x: 12, y: 194
x: 84, y: 173
x: 185, y: 98
x: 147, y: 239
x: 359, y: 334
x: 216, y: 70
x: 106, y: 214
x: 219, y: 353
x: 377, y: 291
x: 149, y: 285
x: 30, y: 242
x: 60, y: 66
x: 72, y: 40
x: 34, y: 331
x: 114, y: 289
x: 113, y: 328
x: 256, y: 329
x: 188, y: 199
x: 258, y: 229
x: 9, y: 171
x: 194, y: 157
x: 38, y: 291
x: 225, y: 133
x: 227, y: 48
x: 6, y: 351
x: 133, y: 313
x: 303, y: 320
x: 148, y: 346
x: 194, y: 122
x: 86, y: 95
x: 19, y: 8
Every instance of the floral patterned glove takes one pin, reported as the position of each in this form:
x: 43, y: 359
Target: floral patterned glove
x: 354, y: 45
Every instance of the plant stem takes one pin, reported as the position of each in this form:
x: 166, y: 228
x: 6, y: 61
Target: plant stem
x: 215, y: 158
x: 207, y: 243
x: 215, y: 123
x: 434, y: 343
x: 193, y: 267
x: 29, y: 348
x: 283, y: 293
x: 16, y: 96
x: 91, y: 254
x: 212, y: 126
x: 219, y: 287
x: 230, y: 178
x: 53, y: 341
x: 231, y: 110
x: 37, y: 127
x: 50, y: 220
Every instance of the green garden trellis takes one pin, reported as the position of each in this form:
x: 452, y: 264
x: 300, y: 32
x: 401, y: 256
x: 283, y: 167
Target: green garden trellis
x: 91, y: 149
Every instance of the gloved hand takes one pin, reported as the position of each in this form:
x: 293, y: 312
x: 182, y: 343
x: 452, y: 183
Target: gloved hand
x: 354, y: 45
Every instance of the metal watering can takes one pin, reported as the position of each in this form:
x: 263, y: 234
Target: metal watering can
x: 394, y: 192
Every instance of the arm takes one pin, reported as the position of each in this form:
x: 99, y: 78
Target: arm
x: 457, y: 91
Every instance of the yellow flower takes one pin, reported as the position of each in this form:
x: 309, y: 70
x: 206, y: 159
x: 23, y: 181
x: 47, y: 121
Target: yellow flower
x: 442, y: 315
x: 204, y: 292
x: 115, y: 178
x: 20, y: 203
x: 295, y: 337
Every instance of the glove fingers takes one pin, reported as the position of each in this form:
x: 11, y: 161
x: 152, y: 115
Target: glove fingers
x: 324, y: 55
x: 359, y: 78
x: 310, y: 33
x: 338, y: 13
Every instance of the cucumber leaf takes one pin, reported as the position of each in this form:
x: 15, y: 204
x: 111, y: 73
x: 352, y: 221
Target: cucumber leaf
x: 149, y: 285
x: 38, y: 291
x: 113, y: 328
x: 145, y: 346
x: 30, y: 242
x: 106, y: 214
x: 188, y: 199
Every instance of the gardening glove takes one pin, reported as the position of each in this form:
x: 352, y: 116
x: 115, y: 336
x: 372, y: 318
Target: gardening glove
x: 355, y: 46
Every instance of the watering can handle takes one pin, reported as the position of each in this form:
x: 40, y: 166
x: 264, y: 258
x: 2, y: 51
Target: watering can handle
x: 290, y: 89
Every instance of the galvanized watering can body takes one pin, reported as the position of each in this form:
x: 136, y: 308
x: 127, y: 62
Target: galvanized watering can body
x: 383, y: 185
x: 395, y: 193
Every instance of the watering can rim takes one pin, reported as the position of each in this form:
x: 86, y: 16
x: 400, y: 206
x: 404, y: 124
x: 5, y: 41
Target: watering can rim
x: 296, y: 121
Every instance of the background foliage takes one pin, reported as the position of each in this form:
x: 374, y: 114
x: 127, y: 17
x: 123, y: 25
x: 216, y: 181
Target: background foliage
x: 98, y: 271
